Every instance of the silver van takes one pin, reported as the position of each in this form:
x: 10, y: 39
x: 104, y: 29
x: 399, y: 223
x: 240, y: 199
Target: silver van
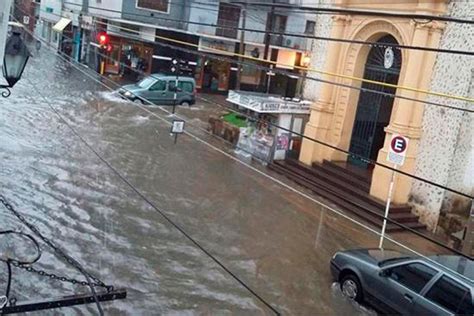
x: 160, y: 90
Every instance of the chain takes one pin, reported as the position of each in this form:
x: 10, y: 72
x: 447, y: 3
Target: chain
x: 57, y: 250
x: 54, y: 276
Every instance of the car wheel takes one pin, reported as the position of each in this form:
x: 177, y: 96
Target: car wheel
x: 351, y: 288
x: 137, y: 100
x: 185, y: 103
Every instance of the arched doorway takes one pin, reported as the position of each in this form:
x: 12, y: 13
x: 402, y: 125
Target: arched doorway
x: 374, y: 109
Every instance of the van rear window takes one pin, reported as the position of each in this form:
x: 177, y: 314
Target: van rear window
x: 186, y: 86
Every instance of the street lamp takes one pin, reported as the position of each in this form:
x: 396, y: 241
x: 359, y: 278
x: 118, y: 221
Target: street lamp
x: 14, y: 61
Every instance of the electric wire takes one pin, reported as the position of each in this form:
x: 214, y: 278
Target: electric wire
x: 403, y: 226
x: 9, y: 261
x: 357, y: 12
x: 290, y: 188
x: 364, y: 159
x: 322, y: 72
x: 350, y: 154
x: 160, y: 211
x: 149, y: 202
x: 290, y: 74
x: 68, y: 258
x: 370, y: 211
x: 292, y: 34
x: 152, y: 13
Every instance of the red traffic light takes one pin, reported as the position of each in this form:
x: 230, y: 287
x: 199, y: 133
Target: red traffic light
x: 103, y: 38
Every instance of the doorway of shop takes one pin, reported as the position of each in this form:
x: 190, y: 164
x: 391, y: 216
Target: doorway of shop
x: 215, y: 76
x: 374, y: 109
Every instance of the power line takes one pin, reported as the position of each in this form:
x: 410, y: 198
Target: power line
x: 64, y: 255
x: 278, y: 181
x: 142, y: 196
x: 230, y: 60
x: 292, y: 34
x: 358, y: 12
x: 326, y: 144
x: 252, y: 17
x: 323, y: 72
x: 160, y: 211
x: 364, y: 159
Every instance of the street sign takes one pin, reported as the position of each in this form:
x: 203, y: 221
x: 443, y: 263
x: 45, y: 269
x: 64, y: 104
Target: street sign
x: 398, y: 149
x: 177, y: 127
x: 26, y: 20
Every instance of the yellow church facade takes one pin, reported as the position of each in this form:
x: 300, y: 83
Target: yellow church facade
x: 363, y: 122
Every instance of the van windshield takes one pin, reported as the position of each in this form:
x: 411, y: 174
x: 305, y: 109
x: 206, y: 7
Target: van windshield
x: 145, y: 83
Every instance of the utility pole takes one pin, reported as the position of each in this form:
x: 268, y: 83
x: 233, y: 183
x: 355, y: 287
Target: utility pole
x: 5, y: 6
x: 264, y: 81
x: 241, y: 47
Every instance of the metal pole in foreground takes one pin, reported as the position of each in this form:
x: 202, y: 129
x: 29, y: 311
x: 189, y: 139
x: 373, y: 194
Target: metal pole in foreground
x: 4, y: 13
x: 175, y: 97
x: 387, y: 206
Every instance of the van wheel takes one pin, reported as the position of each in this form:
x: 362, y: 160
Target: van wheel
x: 351, y: 288
x: 185, y: 103
x: 138, y: 101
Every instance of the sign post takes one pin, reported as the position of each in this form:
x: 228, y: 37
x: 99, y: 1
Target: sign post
x: 396, y: 155
x: 175, y: 69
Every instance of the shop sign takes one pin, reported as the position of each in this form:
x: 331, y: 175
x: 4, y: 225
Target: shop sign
x: 259, y: 104
x: 85, y: 22
x: 216, y: 46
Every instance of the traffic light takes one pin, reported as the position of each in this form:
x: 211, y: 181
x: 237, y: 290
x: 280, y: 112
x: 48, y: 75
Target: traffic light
x: 103, y: 39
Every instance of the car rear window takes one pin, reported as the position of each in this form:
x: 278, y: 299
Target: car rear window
x: 451, y: 295
x: 413, y: 275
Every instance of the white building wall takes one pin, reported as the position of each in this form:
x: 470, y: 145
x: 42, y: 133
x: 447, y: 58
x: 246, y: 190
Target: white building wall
x: 202, y: 15
x: 318, y: 49
x: 50, y: 9
x: 446, y: 153
x: 111, y: 5
x: 255, y: 20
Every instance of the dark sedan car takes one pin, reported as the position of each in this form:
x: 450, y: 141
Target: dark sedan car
x: 394, y: 282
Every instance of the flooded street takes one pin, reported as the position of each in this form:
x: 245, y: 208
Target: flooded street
x: 274, y: 240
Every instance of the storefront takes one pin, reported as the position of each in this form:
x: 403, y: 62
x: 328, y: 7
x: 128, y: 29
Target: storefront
x: 135, y: 55
x: 263, y: 140
x: 212, y: 74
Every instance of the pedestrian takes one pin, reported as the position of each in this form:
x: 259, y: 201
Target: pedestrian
x: 67, y: 50
x: 38, y: 45
x: 123, y: 60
